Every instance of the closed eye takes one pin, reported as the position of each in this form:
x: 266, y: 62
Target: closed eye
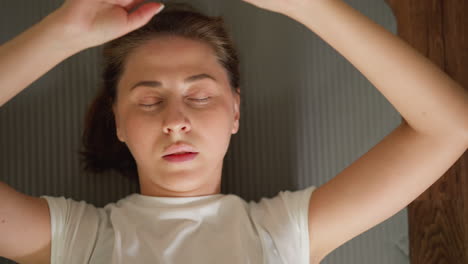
x: 201, y: 100
x: 149, y: 106
x: 198, y: 100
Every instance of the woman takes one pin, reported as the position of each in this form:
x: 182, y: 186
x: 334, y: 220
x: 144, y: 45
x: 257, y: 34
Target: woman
x: 166, y: 93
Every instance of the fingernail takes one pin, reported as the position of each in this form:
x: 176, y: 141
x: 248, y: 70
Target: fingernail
x: 161, y: 8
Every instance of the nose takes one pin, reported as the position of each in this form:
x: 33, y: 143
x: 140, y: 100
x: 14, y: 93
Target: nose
x: 176, y: 121
x: 176, y: 128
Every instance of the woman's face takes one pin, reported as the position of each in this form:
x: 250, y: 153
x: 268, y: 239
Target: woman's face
x: 174, y: 115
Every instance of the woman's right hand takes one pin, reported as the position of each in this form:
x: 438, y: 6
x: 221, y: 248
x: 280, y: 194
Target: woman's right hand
x: 89, y: 23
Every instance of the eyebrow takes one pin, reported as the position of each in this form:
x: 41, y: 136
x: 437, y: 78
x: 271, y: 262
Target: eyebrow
x: 157, y: 84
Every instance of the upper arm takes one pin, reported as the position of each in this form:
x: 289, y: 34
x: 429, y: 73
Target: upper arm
x: 377, y: 186
x: 25, y: 227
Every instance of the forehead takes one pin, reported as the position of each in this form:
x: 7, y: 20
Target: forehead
x: 171, y: 54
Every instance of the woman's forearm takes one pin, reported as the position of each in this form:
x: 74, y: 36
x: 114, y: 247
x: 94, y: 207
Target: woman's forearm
x: 430, y: 101
x: 30, y: 55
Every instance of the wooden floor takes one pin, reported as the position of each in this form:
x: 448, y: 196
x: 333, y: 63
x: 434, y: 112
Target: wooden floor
x: 438, y: 219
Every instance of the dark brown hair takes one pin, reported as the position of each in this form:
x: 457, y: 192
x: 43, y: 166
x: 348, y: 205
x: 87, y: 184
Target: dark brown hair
x: 102, y: 151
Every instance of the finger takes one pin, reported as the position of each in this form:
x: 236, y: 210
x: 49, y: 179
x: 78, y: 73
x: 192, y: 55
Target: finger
x: 143, y: 15
x: 133, y: 4
x: 118, y: 2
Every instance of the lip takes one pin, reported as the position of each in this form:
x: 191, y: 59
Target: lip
x: 181, y: 157
x: 178, y: 147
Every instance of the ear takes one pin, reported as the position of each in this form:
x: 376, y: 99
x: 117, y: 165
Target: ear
x: 237, y: 99
x: 117, y: 122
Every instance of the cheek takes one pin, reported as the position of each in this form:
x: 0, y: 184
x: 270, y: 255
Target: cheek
x: 136, y: 125
x: 216, y: 130
x: 218, y: 119
x: 140, y: 132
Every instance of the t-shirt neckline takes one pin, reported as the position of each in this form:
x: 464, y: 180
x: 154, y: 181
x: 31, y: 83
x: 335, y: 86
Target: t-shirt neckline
x: 161, y: 201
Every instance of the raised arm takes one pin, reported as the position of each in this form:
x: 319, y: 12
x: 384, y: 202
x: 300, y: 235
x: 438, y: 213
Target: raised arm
x: 25, y: 224
x: 75, y: 26
x: 407, y: 161
x: 28, y: 56
x: 24, y: 227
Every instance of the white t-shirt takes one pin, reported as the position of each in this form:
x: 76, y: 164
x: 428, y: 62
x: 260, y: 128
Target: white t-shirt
x: 217, y: 228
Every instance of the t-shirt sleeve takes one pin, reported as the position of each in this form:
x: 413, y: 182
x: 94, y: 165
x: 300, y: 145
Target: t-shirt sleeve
x: 282, y: 223
x: 74, y: 228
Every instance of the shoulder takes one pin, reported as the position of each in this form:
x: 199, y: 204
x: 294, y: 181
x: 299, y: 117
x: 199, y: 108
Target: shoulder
x: 283, y: 219
x: 290, y: 202
x: 75, y: 228
x: 69, y: 211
